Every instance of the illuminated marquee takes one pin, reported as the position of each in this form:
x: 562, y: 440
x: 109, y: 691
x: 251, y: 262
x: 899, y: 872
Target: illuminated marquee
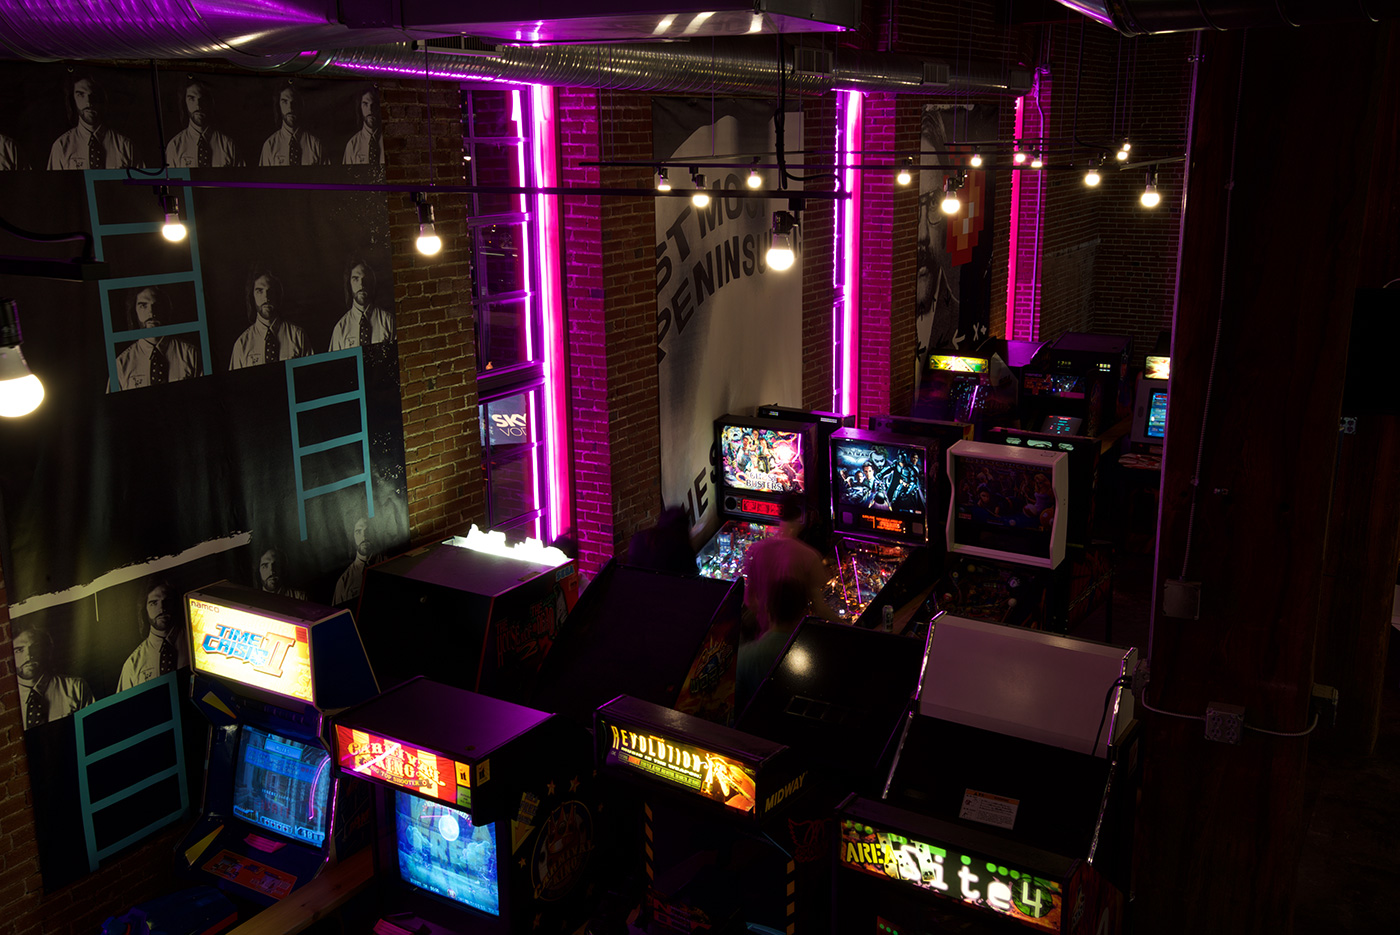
x: 250, y: 649
x: 959, y: 364
x: 398, y: 764
x: 944, y: 871
x: 710, y: 774
x: 758, y: 507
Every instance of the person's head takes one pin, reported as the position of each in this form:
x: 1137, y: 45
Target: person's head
x: 87, y: 100
x: 289, y: 107
x: 33, y: 652
x: 790, y: 514
x: 367, y: 105
x: 787, y: 604
x: 160, y: 607
x: 199, y: 103
x: 264, y: 293
x: 932, y: 261
x: 148, y: 308
x: 270, y: 570
x: 361, y: 533
x: 360, y: 282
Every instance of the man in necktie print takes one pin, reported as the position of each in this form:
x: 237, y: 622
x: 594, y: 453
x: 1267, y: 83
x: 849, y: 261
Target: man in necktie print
x: 291, y: 145
x: 43, y: 694
x: 91, y: 144
x: 200, y: 145
x: 157, y: 360
x: 365, y: 323
x: 366, y: 148
x: 164, y: 647
x: 269, y: 337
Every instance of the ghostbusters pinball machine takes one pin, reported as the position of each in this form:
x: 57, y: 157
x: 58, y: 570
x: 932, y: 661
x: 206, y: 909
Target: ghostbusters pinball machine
x: 757, y: 462
x: 483, y: 812
x: 883, y: 511
x: 708, y: 812
x: 268, y: 672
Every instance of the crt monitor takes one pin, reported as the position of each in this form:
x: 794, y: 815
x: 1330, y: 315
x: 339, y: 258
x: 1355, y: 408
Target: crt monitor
x: 880, y: 485
x: 1008, y: 503
x: 441, y: 852
x: 1150, y: 413
x: 282, y: 785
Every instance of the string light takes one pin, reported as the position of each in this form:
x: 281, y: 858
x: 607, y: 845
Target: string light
x: 755, y: 180
x: 781, y: 255
x: 1036, y: 161
x: 428, y: 243
x: 976, y: 160
x: 700, y: 198
x: 663, y: 184
x: 1122, y: 154
x: 951, y: 204
x: 173, y: 229
x: 1150, y: 197
x: 906, y: 173
x: 1017, y: 156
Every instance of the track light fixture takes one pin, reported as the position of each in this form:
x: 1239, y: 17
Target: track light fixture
x: 429, y: 243
x: 905, y: 175
x: 701, y: 198
x: 173, y: 229
x: 951, y: 204
x: 781, y: 249
x: 20, y: 390
x: 1150, y: 197
x: 663, y: 184
x: 1036, y: 161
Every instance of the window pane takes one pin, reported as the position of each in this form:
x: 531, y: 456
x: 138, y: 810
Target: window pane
x: 498, y: 165
x: 501, y: 335
x: 500, y: 259
x: 491, y: 114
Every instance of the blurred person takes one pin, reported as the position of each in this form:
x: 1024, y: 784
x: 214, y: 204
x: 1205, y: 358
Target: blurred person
x: 787, y: 605
x: 782, y: 557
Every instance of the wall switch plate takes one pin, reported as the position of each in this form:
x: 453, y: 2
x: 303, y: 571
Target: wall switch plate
x: 1224, y: 722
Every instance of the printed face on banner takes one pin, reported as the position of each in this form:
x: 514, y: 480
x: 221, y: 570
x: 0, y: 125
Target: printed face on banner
x: 728, y: 328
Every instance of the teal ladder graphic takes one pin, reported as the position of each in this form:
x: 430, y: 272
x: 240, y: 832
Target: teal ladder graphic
x: 308, y: 407
x: 116, y: 814
x: 102, y: 230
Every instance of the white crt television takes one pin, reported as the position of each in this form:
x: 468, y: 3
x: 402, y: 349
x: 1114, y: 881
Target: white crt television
x: 1008, y: 503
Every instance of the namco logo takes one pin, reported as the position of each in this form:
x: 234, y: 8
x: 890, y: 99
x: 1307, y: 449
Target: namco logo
x: 511, y: 425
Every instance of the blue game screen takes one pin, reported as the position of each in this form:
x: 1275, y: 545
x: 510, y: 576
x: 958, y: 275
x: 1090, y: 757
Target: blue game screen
x: 441, y: 851
x: 1157, y: 415
x: 282, y: 785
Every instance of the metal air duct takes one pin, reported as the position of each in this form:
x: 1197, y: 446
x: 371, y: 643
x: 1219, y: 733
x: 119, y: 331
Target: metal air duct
x: 1148, y: 17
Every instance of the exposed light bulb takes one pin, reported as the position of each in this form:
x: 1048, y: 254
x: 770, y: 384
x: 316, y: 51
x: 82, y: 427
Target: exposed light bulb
x: 950, y: 203
x: 1019, y: 158
x: 780, y: 255
x: 20, y: 391
x: 976, y: 160
x: 905, y: 175
x: 700, y: 198
x: 663, y: 184
x: 1121, y: 155
x: 1037, y: 162
x: 1092, y: 178
x: 1151, y: 198
x: 429, y: 243
x: 755, y: 180
x: 174, y: 229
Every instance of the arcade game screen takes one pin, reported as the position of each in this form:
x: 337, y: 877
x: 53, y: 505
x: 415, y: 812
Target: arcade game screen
x: 883, y: 478
x: 282, y: 785
x: 1062, y: 425
x: 1003, y: 505
x: 1158, y: 368
x: 763, y: 460
x: 441, y: 851
x: 1157, y: 415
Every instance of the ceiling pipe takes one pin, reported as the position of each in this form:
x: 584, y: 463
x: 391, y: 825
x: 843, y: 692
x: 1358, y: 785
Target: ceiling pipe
x: 1149, y: 17
x: 735, y: 68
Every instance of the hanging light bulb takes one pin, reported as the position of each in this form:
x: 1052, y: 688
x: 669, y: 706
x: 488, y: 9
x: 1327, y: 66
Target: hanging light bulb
x: 1092, y: 177
x: 20, y: 390
x: 1150, y: 197
x: 1036, y: 161
x: 429, y: 243
x: 905, y: 175
x: 173, y: 229
x: 1017, y: 156
x: 781, y: 255
x: 663, y: 184
x: 755, y: 180
x: 950, y: 204
x: 1122, y: 154
x: 700, y: 198
x: 976, y: 160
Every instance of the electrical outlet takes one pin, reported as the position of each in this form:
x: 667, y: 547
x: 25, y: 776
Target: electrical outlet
x: 1224, y: 722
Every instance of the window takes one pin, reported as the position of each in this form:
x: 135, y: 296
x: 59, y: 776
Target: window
x: 517, y: 317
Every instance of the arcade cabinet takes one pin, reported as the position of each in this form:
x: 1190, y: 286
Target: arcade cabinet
x: 470, y: 611
x: 483, y: 811
x: 818, y: 522
x: 1010, y: 800
x: 883, y: 513
x: 1083, y: 472
x: 974, y: 386
x: 268, y: 671
x: 759, y: 460
x: 1077, y: 385
x: 715, y: 812
x: 1006, y: 532
x: 1149, y: 416
x: 669, y: 639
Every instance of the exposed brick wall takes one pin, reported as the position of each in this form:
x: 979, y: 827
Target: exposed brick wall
x: 434, y: 315
x: 818, y: 232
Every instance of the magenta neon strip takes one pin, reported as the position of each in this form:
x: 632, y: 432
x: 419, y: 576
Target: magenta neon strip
x: 552, y: 313
x: 1013, y: 253
x: 850, y: 244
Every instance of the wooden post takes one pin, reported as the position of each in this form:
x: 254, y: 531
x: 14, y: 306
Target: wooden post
x: 1269, y: 262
